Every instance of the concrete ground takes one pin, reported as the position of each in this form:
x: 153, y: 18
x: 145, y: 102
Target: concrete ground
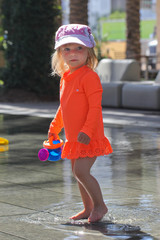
x: 37, y: 198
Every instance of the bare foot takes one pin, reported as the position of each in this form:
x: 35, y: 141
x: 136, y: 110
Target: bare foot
x: 81, y: 215
x: 97, y: 214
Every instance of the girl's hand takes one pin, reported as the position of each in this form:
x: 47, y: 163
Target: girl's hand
x: 52, y: 134
x: 83, y: 138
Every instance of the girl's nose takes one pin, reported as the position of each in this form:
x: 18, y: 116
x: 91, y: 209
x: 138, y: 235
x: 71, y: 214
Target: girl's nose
x: 73, y: 51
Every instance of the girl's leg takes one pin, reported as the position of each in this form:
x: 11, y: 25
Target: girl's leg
x: 81, y: 170
x: 87, y: 201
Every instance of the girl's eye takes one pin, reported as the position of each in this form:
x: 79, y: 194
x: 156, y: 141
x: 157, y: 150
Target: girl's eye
x: 66, y: 49
x: 80, y: 48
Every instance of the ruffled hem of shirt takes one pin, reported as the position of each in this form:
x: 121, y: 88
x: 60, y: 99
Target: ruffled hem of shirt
x: 74, y: 150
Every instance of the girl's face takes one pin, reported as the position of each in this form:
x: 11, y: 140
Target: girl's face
x: 74, y: 55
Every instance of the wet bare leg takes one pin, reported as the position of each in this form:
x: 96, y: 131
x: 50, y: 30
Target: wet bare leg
x: 87, y: 202
x: 81, y: 170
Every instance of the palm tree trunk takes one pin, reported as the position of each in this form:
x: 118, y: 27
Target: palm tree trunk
x: 133, y: 49
x: 78, y: 11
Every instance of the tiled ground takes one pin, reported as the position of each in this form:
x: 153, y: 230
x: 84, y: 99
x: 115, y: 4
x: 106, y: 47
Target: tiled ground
x: 36, y: 199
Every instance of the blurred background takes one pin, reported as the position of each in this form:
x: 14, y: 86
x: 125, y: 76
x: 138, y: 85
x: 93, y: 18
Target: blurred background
x: 122, y: 29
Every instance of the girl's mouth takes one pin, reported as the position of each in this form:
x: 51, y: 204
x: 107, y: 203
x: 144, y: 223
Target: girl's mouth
x: 73, y: 60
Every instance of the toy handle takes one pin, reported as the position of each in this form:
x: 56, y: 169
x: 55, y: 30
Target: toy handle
x: 53, y: 143
x: 52, y: 138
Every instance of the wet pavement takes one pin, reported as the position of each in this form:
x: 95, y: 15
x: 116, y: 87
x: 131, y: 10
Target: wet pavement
x: 37, y: 198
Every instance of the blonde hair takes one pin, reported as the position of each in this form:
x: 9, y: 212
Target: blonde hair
x: 59, y: 67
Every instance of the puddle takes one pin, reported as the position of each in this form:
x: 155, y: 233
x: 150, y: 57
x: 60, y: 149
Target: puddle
x: 113, y: 225
x: 116, y: 231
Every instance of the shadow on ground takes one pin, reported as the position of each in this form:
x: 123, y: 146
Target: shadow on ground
x: 115, y: 230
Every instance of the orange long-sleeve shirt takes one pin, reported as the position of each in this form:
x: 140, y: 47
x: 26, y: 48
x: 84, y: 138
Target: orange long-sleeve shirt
x: 80, y: 111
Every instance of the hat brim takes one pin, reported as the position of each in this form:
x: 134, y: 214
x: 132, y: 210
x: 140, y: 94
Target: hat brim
x: 70, y: 39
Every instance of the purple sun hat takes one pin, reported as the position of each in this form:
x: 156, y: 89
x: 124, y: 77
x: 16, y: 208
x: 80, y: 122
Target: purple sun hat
x: 74, y: 33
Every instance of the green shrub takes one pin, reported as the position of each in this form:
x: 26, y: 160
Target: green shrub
x: 29, y: 28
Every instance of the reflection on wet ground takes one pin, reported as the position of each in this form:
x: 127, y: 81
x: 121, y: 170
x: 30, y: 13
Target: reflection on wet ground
x: 117, y: 231
x: 37, y: 198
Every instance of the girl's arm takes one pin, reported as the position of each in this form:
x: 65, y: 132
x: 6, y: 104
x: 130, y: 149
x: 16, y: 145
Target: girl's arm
x: 57, y: 124
x: 93, y: 90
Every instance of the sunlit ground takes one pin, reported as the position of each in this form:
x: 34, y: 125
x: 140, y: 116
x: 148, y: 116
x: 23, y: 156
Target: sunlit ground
x: 37, y: 198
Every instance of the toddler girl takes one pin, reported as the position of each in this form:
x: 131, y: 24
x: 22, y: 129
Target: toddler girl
x: 80, y: 113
